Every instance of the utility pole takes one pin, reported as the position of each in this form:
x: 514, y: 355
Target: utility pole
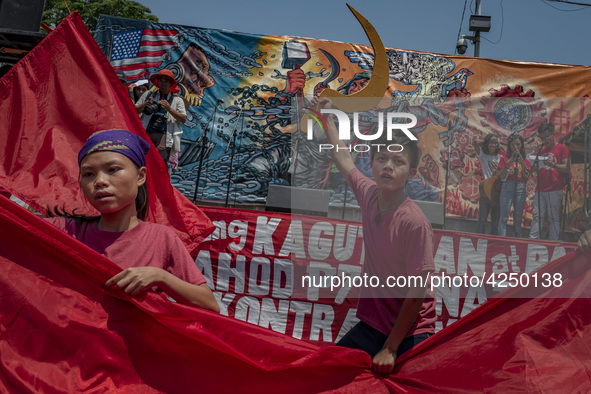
x: 477, y: 33
x: 478, y: 23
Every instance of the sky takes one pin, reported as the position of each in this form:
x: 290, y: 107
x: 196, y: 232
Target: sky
x: 522, y: 30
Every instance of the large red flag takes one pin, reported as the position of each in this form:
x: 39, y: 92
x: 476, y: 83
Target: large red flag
x: 533, y: 340
x: 50, y: 103
x: 61, y: 331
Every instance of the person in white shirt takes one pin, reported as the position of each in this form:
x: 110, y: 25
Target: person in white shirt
x: 162, y: 113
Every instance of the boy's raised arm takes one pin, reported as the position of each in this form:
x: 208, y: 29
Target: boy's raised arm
x: 340, y: 152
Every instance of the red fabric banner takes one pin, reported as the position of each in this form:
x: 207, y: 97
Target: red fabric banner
x: 50, y: 103
x: 61, y: 331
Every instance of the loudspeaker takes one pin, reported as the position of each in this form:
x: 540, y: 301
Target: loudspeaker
x: 298, y: 200
x: 21, y: 14
x: 433, y: 211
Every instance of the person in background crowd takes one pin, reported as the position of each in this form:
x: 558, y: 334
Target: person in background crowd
x: 514, y: 171
x: 137, y: 89
x: 554, y: 167
x: 584, y: 243
x: 121, y: 77
x: 488, y: 154
x: 162, y: 113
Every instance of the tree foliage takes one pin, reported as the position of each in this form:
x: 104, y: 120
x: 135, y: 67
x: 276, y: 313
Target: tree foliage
x: 56, y: 11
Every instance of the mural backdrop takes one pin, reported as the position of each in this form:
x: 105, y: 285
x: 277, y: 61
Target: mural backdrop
x: 241, y: 92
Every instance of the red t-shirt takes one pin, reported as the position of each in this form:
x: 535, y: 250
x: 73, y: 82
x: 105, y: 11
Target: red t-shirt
x: 550, y: 179
x: 145, y: 245
x: 512, y: 167
x: 399, y: 245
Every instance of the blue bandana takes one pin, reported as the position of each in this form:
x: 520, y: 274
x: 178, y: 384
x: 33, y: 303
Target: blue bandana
x: 121, y: 141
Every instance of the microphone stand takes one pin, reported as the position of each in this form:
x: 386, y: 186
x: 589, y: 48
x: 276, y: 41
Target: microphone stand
x: 514, y: 202
x: 447, y: 171
x: 239, y: 163
x: 516, y: 155
x: 566, y: 206
x: 536, y: 165
x: 233, y: 142
x: 299, y: 93
x: 202, y: 153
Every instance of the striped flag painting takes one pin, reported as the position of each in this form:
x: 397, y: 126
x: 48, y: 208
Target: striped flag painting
x: 135, y: 51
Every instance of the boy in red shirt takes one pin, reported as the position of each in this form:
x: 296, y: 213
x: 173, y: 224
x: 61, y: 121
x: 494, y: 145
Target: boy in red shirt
x: 398, y: 243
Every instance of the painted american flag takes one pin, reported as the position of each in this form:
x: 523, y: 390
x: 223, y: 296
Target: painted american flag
x: 135, y: 51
